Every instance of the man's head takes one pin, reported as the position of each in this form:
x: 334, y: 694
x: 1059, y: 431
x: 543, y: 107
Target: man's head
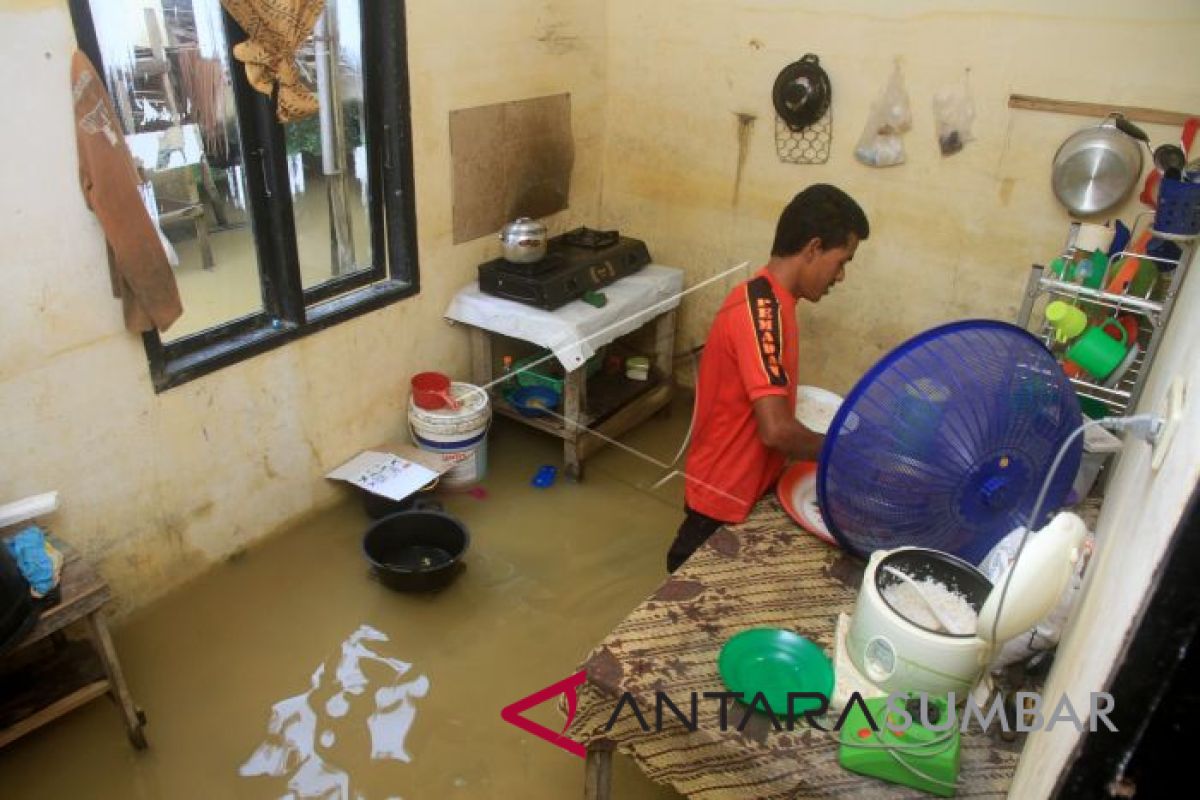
x: 817, y: 234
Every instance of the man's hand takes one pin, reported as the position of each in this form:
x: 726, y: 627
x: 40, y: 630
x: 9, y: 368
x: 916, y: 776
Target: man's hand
x: 779, y: 430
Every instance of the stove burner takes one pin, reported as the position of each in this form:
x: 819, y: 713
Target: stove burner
x: 591, y: 239
x: 569, y: 269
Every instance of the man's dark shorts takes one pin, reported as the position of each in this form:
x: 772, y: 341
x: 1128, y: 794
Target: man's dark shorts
x: 694, y: 531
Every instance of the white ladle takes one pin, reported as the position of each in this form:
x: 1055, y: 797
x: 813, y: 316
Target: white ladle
x: 920, y: 590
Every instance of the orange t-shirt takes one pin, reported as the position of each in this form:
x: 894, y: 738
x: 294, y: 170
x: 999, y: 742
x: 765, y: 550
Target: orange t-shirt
x: 752, y: 352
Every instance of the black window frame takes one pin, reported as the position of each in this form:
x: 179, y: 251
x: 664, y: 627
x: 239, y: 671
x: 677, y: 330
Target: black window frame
x: 289, y: 311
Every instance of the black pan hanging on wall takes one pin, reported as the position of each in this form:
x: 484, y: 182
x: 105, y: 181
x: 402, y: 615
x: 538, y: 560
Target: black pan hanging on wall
x: 803, y: 98
x: 802, y: 93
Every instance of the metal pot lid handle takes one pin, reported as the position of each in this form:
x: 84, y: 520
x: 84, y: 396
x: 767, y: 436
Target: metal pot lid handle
x: 523, y: 225
x: 1128, y: 128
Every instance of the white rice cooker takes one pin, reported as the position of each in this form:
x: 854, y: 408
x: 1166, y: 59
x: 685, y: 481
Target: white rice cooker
x: 900, y: 655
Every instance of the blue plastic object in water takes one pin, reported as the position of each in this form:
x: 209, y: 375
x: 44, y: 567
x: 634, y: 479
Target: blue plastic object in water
x: 945, y: 443
x: 544, y: 478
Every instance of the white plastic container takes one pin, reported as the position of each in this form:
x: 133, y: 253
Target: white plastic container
x: 458, y: 436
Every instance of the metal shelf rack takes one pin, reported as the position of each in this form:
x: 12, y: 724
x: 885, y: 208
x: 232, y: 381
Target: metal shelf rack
x: 1152, y: 312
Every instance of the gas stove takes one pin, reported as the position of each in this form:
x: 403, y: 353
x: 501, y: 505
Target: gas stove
x: 575, y: 263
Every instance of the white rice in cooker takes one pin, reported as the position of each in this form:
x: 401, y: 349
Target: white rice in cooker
x: 960, y: 617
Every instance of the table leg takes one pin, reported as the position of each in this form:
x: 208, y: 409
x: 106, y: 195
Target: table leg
x: 664, y: 343
x: 206, y: 256
x: 112, y: 666
x: 481, y: 357
x: 664, y: 350
x: 597, y: 776
x: 575, y: 388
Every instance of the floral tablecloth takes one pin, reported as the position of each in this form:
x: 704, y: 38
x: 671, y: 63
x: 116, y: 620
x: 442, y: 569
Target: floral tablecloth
x: 766, y: 572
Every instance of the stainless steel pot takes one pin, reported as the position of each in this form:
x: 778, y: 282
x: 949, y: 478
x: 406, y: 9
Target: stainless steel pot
x: 1096, y: 168
x: 524, y: 241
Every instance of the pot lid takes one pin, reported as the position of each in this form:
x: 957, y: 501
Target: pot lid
x: 802, y: 92
x: 1036, y: 581
x: 1096, y: 168
x: 524, y: 226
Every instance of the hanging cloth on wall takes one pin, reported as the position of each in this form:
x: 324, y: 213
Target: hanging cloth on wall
x: 141, y: 274
x: 276, y: 29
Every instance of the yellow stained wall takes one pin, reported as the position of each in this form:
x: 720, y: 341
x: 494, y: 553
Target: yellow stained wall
x: 950, y: 237
x: 156, y: 487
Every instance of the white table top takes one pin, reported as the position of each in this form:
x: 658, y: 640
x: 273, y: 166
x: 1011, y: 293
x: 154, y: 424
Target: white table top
x: 575, y: 331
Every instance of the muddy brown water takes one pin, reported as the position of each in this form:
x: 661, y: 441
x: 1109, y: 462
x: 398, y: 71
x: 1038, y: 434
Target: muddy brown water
x: 548, y: 575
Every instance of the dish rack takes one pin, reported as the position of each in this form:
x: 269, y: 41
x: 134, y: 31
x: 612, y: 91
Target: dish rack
x: 1151, y: 310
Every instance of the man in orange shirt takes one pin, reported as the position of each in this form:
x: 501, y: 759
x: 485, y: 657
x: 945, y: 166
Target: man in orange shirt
x: 745, y: 427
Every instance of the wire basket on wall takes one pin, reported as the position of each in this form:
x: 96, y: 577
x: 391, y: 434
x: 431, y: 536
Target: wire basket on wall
x: 808, y: 146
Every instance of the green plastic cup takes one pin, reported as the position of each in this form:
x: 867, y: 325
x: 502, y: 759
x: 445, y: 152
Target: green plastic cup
x: 1098, y: 352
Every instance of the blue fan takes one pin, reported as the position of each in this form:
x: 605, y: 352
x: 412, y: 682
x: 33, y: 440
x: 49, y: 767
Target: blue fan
x: 945, y: 443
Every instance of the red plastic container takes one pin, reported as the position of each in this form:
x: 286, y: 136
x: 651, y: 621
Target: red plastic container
x: 431, y: 390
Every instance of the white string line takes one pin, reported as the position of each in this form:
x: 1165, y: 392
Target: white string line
x: 660, y: 304
x: 645, y: 457
x: 634, y: 451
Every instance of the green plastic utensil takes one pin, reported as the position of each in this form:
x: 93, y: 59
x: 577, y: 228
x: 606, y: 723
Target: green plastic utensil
x: 775, y: 662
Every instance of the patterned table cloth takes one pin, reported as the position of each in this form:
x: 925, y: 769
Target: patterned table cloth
x: 766, y: 572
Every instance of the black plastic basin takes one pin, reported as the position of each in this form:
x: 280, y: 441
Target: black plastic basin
x: 416, y: 551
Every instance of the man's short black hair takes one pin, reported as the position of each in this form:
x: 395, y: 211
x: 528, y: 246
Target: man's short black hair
x: 819, y: 212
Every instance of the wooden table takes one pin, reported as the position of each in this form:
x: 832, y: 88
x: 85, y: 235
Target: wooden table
x: 641, y: 306
x: 606, y: 405
x: 48, y: 675
x: 766, y: 572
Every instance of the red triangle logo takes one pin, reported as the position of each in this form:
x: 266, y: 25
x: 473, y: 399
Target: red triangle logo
x: 568, y: 687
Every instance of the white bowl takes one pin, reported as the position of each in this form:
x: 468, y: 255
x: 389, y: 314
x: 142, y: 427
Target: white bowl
x: 816, y: 407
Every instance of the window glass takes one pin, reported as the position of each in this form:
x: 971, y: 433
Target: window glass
x: 166, y: 65
x: 327, y: 153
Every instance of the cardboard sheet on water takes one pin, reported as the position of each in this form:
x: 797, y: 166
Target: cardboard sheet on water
x: 393, y: 470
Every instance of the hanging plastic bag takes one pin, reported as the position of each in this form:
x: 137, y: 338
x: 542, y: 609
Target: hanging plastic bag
x: 954, y: 113
x: 891, y: 115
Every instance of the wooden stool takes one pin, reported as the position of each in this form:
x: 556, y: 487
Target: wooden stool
x: 41, y: 688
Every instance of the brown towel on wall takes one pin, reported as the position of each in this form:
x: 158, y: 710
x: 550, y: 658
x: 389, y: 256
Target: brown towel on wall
x: 142, y: 278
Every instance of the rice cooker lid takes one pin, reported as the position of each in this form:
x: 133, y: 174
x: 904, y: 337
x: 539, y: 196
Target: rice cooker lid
x: 1036, y: 581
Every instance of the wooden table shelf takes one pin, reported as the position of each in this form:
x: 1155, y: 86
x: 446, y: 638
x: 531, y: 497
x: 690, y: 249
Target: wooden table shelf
x: 48, y: 675
x: 604, y: 404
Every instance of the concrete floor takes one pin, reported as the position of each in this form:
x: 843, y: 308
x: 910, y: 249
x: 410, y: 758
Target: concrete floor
x: 548, y: 575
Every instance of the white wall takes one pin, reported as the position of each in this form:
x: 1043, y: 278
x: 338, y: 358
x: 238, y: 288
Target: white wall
x: 1141, y: 512
x: 950, y: 237
x: 156, y: 487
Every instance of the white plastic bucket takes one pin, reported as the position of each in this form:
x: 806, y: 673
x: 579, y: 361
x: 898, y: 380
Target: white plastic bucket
x: 458, y: 436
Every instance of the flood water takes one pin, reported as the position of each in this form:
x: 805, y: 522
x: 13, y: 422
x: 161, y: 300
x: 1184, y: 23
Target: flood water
x: 289, y: 671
